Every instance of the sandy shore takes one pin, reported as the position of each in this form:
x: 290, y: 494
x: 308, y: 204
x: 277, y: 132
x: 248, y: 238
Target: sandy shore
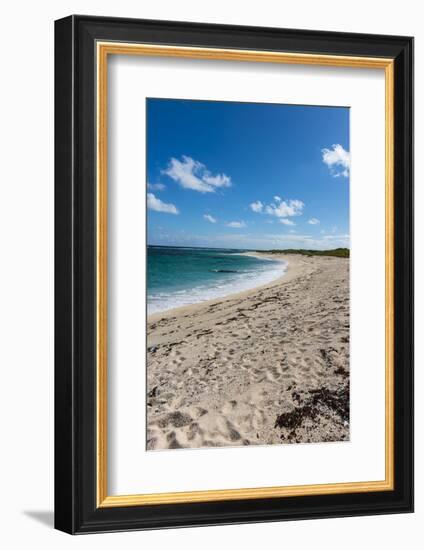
x: 266, y: 366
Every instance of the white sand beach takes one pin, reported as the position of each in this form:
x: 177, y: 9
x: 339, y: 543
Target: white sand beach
x: 265, y: 366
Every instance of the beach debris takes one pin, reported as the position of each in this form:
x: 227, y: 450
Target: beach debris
x: 152, y: 396
x: 296, y: 397
x: 338, y: 400
x: 153, y: 392
x: 342, y: 372
x: 295, y: 418
x: 319, y: 401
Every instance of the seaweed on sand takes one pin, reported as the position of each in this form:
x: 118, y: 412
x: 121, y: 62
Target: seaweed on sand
x: 317, y: 403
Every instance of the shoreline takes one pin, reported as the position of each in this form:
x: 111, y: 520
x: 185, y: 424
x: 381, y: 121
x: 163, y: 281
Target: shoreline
x: 293, y: 269
x: 269, y: 365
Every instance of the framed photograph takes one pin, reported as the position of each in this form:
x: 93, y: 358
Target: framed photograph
x: 234, y: 274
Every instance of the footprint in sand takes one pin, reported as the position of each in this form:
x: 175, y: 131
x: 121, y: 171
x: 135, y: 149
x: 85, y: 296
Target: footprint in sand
x: 275, y: 372
x: 232, y: 433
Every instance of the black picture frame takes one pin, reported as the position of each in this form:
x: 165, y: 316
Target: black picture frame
x: 76, y: 510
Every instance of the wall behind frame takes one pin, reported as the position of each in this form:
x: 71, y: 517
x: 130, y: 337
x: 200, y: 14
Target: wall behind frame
x: 26, y: 273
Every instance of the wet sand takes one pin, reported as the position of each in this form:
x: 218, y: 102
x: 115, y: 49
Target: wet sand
x: 266, y: 366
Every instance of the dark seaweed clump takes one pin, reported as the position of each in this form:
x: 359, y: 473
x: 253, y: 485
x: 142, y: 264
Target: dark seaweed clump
x: 318, y: 400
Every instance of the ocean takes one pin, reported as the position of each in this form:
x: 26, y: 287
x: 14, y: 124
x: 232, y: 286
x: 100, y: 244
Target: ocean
x: 179, y: 276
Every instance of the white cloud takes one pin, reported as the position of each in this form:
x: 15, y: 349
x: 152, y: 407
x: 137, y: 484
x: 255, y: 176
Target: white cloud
x: 337, y: 160
x: 192, y: 174
x: 256, y: 206
x: 281, y: 209
x: 209, y: 218
x: 236, y: 225
x: 220, y: 180
x: 314, y: 221
x: 295, y: 240
x: 156, y: 204
x: 285, y: 209
x: 336, y: 238
x: 156, y: 186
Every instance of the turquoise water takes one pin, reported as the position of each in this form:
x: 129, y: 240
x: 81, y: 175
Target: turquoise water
x: 182, y: 276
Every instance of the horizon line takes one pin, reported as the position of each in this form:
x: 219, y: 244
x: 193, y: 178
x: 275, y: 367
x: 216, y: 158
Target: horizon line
x: 239, y: 248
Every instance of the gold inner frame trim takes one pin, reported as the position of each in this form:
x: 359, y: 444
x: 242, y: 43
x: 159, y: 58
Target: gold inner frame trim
x: 103, y: 50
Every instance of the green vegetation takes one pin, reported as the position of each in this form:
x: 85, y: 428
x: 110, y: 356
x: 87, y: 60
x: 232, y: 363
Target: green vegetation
x: 337, y: 252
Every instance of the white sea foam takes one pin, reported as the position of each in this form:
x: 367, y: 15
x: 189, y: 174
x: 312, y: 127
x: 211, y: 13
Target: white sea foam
x: 264, y: 274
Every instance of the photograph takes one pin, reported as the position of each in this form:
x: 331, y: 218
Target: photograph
x: 247, y: 254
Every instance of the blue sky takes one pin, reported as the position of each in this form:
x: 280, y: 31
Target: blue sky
x: 247, y: 175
